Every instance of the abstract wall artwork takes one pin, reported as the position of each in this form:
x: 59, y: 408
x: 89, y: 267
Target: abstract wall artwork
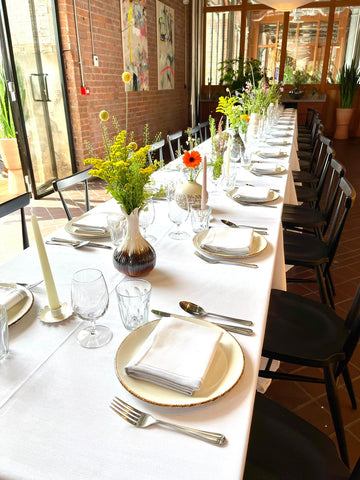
x: 135, y: 44
x: 165, y: 46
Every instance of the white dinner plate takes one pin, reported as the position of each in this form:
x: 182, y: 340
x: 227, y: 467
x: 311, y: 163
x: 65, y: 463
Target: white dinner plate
x: 19, y: 310
x: 264, y: 154
x: 69, y: 227
x: 259, y: 244
x: 238, y: 198
x: 280, y: 169
x: 278, y: 143
x: 223, y: 374
x: 280, y: 134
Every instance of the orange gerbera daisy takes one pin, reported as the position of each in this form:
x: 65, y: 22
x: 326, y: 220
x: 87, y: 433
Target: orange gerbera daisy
x: 192, y: 159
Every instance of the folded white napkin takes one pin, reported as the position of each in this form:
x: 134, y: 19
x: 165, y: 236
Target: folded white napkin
x: 278, y: 141
x: 9, y: 297
x: 266, y: 167
x: 176, y: 355
x: 233, y: 241
x: 247, y: 192
x: 269, y: 153
x: 94, y: 223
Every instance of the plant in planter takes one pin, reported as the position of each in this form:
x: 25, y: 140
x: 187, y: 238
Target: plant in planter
x: 235, y: 73
x: 8, y: 144
x: 349, y: 79
x: 299, y: 77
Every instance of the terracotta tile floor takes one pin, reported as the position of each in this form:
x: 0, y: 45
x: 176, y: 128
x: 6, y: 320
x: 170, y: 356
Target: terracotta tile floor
x: 307, y: 400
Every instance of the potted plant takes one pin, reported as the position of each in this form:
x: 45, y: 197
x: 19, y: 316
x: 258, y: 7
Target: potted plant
x: 349, y: 79
x: 299, y: 77
x: 9, y: 150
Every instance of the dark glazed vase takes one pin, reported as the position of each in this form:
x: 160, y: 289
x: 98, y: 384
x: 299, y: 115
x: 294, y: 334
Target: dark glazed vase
x: 135, y: 257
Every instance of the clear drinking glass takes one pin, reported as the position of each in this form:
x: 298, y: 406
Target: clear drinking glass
x: 200, y: 218
x: 4, y: 333
x: 133, y: 300
x: 178, y: 215
x: 146, y: 218
x: 90, y: 300
x: 117, y: 227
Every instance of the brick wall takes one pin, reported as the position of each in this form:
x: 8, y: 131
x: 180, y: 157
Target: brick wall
x: 164, y: 110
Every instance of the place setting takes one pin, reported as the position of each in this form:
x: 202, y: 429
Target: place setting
x: 91, y: 225
x: 253, y: 195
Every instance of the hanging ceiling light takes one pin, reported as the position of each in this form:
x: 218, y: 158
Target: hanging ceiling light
x: 284, y: 5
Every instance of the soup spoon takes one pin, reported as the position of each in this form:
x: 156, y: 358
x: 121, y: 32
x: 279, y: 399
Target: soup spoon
x: 198, y: 311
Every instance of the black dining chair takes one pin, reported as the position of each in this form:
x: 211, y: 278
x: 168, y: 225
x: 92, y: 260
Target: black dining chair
x: 176, y: 138
x: 308, y: 333
x: 156, y: 150
x: 306, y: 143
x: 311, y: 193
x: 308, y: 251
x: 315, y: 220
x: 312, y: 173
x: 311, y: 114
x: 283, y: 446
x: 17, y: 203
x: 61, y: 185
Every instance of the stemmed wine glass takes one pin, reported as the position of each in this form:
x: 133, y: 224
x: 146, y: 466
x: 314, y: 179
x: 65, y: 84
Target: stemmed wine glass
x: 178, y: 215
x: 146, y: 218
x: 90, y: 300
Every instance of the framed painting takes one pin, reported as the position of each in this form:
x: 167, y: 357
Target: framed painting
x: 165, y: 46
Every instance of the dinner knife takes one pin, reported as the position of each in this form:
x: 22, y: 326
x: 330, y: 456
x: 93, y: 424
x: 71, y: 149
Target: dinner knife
x: 229, y: 328
x: 89, y: 244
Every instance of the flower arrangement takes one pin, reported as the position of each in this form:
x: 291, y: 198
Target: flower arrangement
x: 192, y: 160
x: 124, y: 168
x: 219, y: 140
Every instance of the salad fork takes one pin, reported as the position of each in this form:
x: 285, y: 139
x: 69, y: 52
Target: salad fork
x: 141, y: 419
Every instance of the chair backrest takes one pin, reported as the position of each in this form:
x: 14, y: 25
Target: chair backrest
x: 64, y: 183
x: 328, y: 201
x: 311, y: 113
x: 346, y: 197
x: 283, y: 445
x: 315, y: 129
x: 352, y: 322
x: 204, y: 130
x: 174, y: 137
x: 156, y: 147
x: 196, y: 135
x: 18, y: 203
x: 318, y: 152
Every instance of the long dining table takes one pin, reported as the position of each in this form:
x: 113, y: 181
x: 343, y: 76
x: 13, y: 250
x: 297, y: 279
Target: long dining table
x: 55, y: 419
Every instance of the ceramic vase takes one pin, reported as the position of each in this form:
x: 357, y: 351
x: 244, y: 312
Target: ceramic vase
x: 188, y: 194
x: 135, y: 257
x: 343, y: 117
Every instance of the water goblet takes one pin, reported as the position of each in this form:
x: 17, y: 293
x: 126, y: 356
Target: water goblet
x: 90, y: 300
x: 146, y: 218
x: 178, y: 215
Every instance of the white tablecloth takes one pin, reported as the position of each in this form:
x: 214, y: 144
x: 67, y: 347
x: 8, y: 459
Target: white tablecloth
x: 55, y: 419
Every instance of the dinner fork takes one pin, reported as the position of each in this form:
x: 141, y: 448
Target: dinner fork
x: 213, y: 260
x: 141, y: 419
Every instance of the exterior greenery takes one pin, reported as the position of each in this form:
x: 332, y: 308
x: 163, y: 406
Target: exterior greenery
x: 349, y: 79
x: 7, y: 129
x: 236, y: 73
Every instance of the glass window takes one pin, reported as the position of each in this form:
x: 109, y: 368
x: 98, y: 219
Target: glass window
x: 222, y: 42
x: 306, y: 44
x: 345, y: 43
x: 264, y: 29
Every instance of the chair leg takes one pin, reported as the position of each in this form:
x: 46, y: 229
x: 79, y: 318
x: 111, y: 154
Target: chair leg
x: 349, y: 386
x: 322, y: 286
x: 336, y: 413
x: 24, y: 229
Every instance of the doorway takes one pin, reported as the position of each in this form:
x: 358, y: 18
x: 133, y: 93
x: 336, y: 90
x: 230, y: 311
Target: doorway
x: 34, y: 73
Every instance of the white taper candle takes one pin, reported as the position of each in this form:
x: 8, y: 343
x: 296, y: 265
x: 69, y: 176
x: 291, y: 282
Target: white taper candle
x: 203, y: 190
x: 45, y: 266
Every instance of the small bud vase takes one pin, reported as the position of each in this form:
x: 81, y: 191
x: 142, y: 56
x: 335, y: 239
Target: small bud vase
x: 135, y: 257
x: 192, y: 191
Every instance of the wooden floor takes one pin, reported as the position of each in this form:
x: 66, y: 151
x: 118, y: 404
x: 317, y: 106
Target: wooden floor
x: 307, y: 400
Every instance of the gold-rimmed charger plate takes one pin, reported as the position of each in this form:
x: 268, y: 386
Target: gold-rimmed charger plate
x: 280, y: 169
x: 276, y: 143
x: 69, y: 227
x: 238, y: 198
x: 259, y: 244
x: 18, y: 311
x: 271, y: 155
x: 224, y: 372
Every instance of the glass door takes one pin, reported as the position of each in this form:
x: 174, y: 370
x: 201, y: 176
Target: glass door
x: 34, y: 49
